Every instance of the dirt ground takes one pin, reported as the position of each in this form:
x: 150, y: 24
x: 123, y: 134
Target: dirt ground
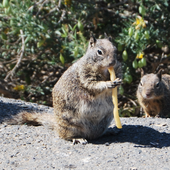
x: 143, y: 143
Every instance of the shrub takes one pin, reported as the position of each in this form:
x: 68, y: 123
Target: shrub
x: 40, y: 39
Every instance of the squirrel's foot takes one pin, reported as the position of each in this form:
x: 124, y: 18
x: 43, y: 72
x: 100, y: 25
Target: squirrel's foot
x: 79, y: 140
x: 115, y: 83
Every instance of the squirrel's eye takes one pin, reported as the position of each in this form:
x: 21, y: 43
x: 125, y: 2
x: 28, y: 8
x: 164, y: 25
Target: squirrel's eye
x: 157, y: 85
x: 99, y: 52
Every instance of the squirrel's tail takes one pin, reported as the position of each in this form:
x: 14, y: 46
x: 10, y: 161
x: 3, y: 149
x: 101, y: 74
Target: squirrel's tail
x: 34, y: 118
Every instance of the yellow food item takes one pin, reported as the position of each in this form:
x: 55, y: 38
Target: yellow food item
x: 114, y: 99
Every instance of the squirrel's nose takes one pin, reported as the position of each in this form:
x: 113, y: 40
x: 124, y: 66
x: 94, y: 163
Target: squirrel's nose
x: 148, y: 95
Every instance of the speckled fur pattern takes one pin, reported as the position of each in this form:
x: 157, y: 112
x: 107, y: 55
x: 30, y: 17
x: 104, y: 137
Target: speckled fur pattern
x: 82, y: 97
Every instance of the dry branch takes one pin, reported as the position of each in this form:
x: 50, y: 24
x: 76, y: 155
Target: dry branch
x: 21, y: 53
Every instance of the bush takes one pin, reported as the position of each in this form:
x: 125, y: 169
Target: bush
x: 39, y: 40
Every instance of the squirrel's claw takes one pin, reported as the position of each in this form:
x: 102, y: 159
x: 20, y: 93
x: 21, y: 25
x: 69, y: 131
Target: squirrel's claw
x: 115, y: 83
x: 79, y: 140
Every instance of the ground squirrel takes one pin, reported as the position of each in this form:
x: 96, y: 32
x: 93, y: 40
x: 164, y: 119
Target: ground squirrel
x: 82, y: 97
x: 153, y: 94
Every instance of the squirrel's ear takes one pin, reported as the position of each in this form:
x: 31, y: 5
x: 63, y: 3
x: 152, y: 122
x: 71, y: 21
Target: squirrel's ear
x: 109, y: 38
x: 92, y: 41
x: 159, y: 74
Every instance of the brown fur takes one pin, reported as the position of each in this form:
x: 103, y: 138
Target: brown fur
x: 153, y: 94
x: 82, y: 100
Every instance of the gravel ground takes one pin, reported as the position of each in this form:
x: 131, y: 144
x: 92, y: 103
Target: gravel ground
x: 142, y: 144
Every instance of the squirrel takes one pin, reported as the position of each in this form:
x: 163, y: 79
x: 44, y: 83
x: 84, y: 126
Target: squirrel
x: 82, y: 97
x: 153, y: 94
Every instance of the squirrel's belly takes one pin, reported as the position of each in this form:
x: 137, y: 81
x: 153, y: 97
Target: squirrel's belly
x: 94, y: 129
x: 96, y: 117
x: 96, y: 109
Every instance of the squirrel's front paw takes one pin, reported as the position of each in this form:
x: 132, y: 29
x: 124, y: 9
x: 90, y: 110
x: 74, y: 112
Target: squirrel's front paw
x: 115, y: 83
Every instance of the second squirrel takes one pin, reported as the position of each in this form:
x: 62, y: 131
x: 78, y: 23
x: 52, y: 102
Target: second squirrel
x: 153, y: 94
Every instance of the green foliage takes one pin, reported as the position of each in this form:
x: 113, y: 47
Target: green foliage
x: 55, y: 34
x: 75, y: 43
x: 142, y: 36
x: 148, y: 28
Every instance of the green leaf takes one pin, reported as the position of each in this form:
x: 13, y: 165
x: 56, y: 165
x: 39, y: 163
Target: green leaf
x: 146, y: 33
x: 119, y: 47
x: 159, y: 44
x: 40, y: 43
x: 136, y: 35
x: 47, y: 36
x: 166, y: 3
x: 64, y: 35
x: 74, y: 27
x: 143, y: 61
x: 157, y: 7
x: 80, y: 26
x: 140, y: 64
x: 75, y: 52
x: 130, y: 32
x: 142, y: 10
x: 135, y: 64
x: 27, y: 39
x: 128, y: 79
x: 62, y: 59
x: 58, y: 32
x: 8, y: 10
x: 70, y: 27
x: 5, y: 3
x: 121, y: 90
x: 40, y: 26
x: 124, y: 55
x: 3, y: 36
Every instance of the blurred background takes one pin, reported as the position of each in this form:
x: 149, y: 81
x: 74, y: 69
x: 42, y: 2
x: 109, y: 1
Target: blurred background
x: 39, y: 40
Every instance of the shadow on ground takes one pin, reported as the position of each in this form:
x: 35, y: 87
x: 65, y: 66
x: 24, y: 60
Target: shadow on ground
x: 9, y: 109
x: 142, y: 136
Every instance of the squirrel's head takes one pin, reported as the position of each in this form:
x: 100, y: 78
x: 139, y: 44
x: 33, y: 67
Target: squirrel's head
x: 151, y: 86
x: 101, y: 52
